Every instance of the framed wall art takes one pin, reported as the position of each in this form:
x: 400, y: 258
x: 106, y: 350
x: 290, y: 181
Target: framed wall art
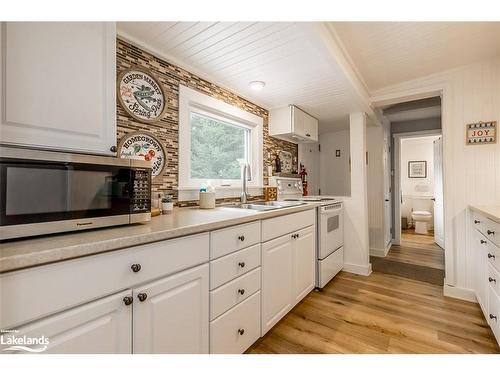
x: 417, y: 169
x: 142, y: 145
x: 141, y: 94
x: 481, y: 133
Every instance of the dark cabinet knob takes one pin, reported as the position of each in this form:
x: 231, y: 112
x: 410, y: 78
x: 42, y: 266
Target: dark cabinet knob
x: 241, y: 291
x: 490, y: 232
x: 241, y: 331
x: 113, y: 149
x: 493, y: 317
x: 477, y: 222
x: 483, y: 242
x: 241, y: 238
x: 128, y: 300
x: 308, y: 135
x: 387, y: 200
x: 492, y: 280
x: 136, y: 267
x: 142, y: 297
x: 241, y: 264
x: 491, y: 256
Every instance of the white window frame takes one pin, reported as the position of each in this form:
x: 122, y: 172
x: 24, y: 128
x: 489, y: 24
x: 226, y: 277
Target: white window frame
x: 192, y: 100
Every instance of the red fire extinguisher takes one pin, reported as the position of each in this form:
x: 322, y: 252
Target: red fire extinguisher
x: 303, y: 177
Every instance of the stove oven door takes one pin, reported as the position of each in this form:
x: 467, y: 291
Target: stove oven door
x: 331, y: 229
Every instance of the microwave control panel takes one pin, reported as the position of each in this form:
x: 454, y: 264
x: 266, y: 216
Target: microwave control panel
x: 141, y: 190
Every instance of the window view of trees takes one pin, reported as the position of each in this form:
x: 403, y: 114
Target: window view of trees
x: 216, y: 148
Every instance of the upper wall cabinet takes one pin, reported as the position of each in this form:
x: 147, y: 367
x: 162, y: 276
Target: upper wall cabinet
x: 293, y: 125
x: 58, y: 84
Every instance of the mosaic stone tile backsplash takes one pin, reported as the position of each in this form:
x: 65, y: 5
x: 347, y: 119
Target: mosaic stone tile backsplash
x: 166, y: 129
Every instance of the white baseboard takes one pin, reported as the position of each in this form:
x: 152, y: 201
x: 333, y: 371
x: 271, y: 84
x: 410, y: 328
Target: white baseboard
x: 358, y: 269
x: 380, y: 252
x: 459, y: 293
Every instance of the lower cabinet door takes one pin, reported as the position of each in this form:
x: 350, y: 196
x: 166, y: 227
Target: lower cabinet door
x: 100, y: 327
x: 171, y: 314
x: 493, y: 316
x: 234, y: 331
x: 276, y: 280
x: 304, y: 261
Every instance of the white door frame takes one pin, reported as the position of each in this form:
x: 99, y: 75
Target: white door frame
x: 397, y: 175
x: 422, y: 90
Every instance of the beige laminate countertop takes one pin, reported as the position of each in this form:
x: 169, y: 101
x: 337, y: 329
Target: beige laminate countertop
x: 491, y: 212
x: 25, y: 253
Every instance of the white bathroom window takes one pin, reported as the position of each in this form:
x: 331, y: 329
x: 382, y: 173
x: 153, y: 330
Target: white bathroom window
x: 214, y: 139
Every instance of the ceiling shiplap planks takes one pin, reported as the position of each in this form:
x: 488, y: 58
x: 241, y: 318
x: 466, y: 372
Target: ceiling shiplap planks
x: 387, y: 53
x: 287, y: 56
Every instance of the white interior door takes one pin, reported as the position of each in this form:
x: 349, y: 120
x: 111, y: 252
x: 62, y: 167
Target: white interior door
x: 387, y: 191
x: 438, y: 193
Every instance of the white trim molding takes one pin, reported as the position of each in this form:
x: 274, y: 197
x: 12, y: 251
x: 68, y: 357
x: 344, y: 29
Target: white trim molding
x: 459, y: 293
x: 190, y: 99
x: 358, y: 269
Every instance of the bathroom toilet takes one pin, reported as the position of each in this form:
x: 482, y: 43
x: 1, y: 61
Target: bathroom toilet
x: 421, y: 220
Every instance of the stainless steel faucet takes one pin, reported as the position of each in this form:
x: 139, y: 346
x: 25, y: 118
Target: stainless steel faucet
x: 246, y: 175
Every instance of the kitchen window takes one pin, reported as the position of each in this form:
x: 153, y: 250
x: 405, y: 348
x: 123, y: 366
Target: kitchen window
x: 214, y: 139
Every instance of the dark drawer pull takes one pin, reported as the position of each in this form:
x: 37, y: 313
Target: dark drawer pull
x: 128, y: 300
x: 492, y: 280
x: 483, y: 242
x: 142, y: 297
x: 241, y: 331
x: 241, y: 264
x: 136, y: 267
x: 477, y: 222
x: 241, y: 291
x: 493, y: 317
x: 490, y: 232
x: 241, y: 238
x: 491, y: 256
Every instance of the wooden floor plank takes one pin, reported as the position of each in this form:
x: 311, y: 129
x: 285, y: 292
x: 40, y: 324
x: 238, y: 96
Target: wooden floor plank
x: 379, y: 313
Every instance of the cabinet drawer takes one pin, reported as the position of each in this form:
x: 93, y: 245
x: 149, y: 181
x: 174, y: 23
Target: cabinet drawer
x: 232, y: 293
x: 36, y: 292
x: 492, y: 231
x: 478, y: 221
x: 278, y: 226
x: 493, y: 279
x: 233, y: 265
x: 493, y: 317
x: 228, y: 240
x: 237, y: 329
x: 493, y: 254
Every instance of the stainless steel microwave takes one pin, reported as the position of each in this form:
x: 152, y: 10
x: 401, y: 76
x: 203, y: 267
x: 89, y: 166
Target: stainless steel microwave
x: 44, y: 192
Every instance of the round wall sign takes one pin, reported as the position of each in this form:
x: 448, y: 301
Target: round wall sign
x: 141, y: 95
x: 142, y: 145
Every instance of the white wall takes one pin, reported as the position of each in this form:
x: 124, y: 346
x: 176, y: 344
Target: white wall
x: 335, y: 175
x: 417, y: 149
x: 309, y: 156
x: 356, y: 237
x: 471, y: 173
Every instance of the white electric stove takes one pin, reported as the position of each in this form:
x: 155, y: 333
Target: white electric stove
x: 329, y: 227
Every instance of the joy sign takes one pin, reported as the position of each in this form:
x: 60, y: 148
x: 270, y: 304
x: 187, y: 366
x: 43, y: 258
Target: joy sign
x: 481, y: 133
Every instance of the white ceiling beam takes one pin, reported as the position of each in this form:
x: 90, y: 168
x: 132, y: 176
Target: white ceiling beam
x: 327, y: 34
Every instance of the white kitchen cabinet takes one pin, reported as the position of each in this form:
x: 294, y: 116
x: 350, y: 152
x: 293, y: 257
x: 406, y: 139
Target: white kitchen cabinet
x: 99, y: 327
x: 58, y: 85
x: 304, y: 261
x: 277, y: 280
x: 288, y: 274
x: 292, y: 124
x: 171, y: 315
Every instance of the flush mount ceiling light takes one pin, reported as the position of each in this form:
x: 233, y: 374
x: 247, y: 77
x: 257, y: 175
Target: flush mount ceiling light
x: 257, y: 85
